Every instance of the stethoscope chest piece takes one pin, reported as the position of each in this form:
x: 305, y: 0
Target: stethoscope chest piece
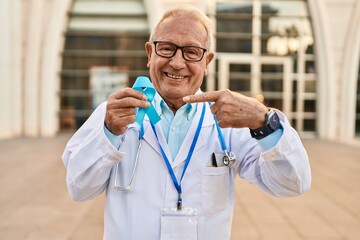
x: 229, y: 158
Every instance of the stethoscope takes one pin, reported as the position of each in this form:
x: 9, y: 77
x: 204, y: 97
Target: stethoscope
x: 228, y: 159
x: 128, y: 187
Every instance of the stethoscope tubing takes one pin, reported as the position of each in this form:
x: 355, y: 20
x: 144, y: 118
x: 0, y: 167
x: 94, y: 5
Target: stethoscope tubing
x: 128, y: 188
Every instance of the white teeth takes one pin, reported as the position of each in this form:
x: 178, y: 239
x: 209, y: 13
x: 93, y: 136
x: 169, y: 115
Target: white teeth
x: 175, y: 76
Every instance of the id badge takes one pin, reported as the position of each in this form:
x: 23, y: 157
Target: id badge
x: 178, y: 225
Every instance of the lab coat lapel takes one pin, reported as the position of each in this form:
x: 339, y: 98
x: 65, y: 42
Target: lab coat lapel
x: 185, y: 146
x: 150, y: 138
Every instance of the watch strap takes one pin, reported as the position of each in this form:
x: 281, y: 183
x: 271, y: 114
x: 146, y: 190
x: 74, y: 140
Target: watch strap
x: 272, y: 123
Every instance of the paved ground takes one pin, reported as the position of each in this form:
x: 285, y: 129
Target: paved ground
x: 34, y: 204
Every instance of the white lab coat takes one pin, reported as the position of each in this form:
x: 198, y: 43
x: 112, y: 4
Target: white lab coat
x: 90, y: 160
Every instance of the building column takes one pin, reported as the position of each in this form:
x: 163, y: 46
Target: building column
x: 349, y: 76
x: 5, y: 71
x: 326, y: 84
x: 32, y: 66
x: 16, y: 67
x: 51, y: 66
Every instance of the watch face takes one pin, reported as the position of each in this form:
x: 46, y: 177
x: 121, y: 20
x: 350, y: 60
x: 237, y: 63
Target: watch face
x: 274, y: 122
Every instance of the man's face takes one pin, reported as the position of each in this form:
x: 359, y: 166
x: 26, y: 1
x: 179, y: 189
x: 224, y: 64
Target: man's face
x: 175, y: 77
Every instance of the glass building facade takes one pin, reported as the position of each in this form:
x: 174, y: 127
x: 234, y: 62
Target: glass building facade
x: 264, y: 49
x: 104, y: 50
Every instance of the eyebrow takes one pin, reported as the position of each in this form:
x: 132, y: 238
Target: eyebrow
x: 191, y: 44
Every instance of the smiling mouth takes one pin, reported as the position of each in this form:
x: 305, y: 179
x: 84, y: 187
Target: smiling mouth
x: 174, y: 76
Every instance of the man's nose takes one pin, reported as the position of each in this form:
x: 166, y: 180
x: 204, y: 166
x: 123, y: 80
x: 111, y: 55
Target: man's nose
x: 177, y: 61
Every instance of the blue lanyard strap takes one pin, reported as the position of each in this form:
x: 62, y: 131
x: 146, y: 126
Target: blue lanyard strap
x: 221, y: 136
x: 191, y: 150
x: 141, y: 132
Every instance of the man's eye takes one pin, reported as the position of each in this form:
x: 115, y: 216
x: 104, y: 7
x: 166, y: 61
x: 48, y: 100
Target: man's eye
x: 166, y: 48
x: 192, y: 51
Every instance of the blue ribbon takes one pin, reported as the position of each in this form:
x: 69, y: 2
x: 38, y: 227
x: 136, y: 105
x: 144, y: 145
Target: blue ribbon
x: 143, y: 84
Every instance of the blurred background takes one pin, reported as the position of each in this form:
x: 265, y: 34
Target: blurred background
x: 61, y: 58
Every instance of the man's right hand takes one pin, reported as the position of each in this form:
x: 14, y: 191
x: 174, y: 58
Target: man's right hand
x: 121, y: 109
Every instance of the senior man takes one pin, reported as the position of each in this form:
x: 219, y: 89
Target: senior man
x: 173, y: 177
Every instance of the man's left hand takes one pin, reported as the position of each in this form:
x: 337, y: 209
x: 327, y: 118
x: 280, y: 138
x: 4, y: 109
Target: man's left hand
x: 233, y: 109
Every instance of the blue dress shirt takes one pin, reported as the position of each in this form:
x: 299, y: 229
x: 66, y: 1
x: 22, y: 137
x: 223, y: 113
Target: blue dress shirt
x: 175, y: 127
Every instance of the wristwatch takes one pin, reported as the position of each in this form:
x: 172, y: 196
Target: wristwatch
x: 272, y: 123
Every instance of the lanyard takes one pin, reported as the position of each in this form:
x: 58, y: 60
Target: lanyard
x: 141, y: 132
x: 191, y: 150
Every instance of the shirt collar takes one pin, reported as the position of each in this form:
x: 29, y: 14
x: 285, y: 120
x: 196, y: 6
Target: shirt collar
x: 160, y: 105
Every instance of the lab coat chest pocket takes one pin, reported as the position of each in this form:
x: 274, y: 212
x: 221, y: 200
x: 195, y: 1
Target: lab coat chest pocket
x: 215, y: 189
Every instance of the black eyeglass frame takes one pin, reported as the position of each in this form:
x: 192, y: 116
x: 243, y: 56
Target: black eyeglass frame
x: 182, y: 51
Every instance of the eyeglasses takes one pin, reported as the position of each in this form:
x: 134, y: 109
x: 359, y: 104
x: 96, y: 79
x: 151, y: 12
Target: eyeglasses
x: 189, y: 53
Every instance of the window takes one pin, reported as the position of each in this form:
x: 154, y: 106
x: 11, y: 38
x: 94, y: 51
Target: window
x: 104, y: 46
x: 269, y: 35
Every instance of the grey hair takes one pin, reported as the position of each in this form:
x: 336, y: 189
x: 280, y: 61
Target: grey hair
x: 187, y: 11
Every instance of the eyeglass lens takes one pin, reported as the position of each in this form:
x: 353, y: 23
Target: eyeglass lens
x: 189, y: 53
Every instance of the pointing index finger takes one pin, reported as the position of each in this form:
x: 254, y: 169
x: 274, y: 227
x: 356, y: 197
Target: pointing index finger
x: 202, y: 97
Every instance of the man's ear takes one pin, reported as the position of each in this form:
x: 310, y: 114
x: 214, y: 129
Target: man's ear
x: 148, y: 49
x: 209, y: 58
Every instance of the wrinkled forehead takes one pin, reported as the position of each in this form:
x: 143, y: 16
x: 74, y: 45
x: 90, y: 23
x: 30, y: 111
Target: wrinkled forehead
x: 184, y: 30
